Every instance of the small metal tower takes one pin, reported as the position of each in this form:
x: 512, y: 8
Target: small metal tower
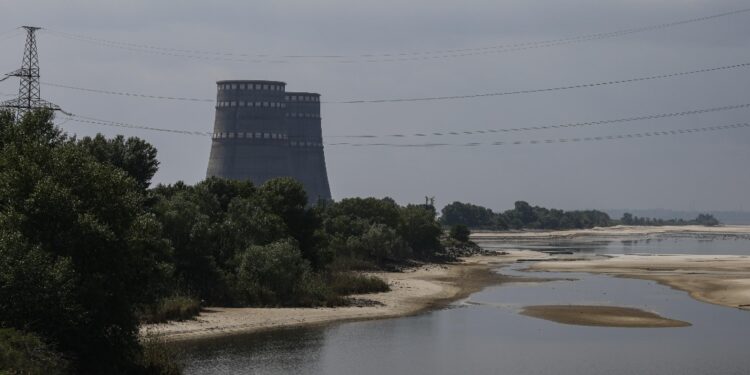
x: 28, y: 94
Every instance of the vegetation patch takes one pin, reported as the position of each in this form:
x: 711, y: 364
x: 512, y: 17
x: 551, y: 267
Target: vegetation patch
x: 27, y: 354
x: 171, y: 308
x: 347, y: 283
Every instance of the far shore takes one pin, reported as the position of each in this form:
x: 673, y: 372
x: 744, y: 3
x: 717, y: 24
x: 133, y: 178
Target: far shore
x: 718, y: 279
x: 412, y: 292
x: 614, y: 231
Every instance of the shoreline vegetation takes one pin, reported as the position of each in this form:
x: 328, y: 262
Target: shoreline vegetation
x: 413, y: 291
x: 726, y: 281
x: 525, y: 216
x: 89, y: 249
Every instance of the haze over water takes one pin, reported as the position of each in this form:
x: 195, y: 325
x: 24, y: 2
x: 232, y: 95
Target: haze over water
x: 485, y: 334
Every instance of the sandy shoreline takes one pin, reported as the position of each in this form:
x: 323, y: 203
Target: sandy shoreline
x: 412, y: 292
x: 718, y: 279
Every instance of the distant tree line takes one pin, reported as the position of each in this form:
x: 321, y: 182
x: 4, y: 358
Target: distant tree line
x: 88, y: 250
x: 522, y: 216
x: 702, y: 219
x: 525, y: 216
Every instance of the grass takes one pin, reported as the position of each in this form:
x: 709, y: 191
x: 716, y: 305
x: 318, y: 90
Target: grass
x: 172, y: 308
x: 346, y: 283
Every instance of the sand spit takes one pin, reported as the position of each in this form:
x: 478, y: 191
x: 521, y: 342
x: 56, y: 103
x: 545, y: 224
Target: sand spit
x: 616, y: 231
x: 601, y: 316
x: 412, y: 292
x: 718, y: 279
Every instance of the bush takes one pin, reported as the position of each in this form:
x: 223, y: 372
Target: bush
x: 271, y: 275
x: 379, y: 243
x: 172, y: 308
x: 346, y: 283
x: 27, y: 354
x: 460, y: 232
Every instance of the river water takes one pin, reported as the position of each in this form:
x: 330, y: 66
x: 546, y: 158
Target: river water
x: 484, y: 334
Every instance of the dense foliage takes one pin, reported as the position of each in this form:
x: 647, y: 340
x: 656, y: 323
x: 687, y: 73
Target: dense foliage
x: 77, y: 247
x: 702, y: 219
x: 525, y: 216
x: 28, y: 354
x: 522, y: 216
x: 87, y: 250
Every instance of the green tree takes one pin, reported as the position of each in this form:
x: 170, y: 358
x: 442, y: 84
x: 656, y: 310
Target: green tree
x: 420, y: 230
x: 133, y: 155
x: 460, y: 233
x: 78, y: 227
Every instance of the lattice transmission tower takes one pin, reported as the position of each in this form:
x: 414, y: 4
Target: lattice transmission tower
x: 28, y: 93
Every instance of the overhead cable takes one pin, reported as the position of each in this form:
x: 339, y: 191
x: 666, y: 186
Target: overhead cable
x: 553, y: 140
x: 556, y: 126
x: 124, y: 93
x: 534, y: 91
x: 429, y: 98
x: 96, y: 121
x: 381, y: 57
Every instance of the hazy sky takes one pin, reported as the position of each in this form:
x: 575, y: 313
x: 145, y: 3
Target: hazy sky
x: 692, y: 172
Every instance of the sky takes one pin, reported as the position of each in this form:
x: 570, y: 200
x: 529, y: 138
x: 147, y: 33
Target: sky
x: 701, y: 171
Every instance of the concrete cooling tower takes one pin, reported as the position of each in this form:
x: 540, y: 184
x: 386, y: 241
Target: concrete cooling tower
x: 262, y: 132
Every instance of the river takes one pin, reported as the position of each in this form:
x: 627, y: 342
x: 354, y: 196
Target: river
x: 484, y: 334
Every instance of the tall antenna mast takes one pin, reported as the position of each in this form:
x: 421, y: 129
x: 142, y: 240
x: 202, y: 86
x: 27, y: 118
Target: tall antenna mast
x: 28, y: 93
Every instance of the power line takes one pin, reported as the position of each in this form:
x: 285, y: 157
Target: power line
x: 554, y: 140
x: 9, y: 34
x: 96, y: 121
x: 629, y: 136
x: 430, y: 98
x: 557, y: 126
x: 533, y: 91
x: 381, y: 57
x: 124, y: 93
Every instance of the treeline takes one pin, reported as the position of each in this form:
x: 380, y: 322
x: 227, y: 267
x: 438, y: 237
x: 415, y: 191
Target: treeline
x: 522, y: 216
x: 88, y: 251
x: 525, y: 216
x: 702, y: 219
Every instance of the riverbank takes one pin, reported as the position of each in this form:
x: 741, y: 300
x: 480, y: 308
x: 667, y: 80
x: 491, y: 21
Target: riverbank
x: 615, y: 231
x: 413, y: 291
x: 718, y: 279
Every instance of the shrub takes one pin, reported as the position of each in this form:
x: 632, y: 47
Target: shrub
x: 172, y: 308
x: 379, y: 243
x: 460, y: 232
x: 27, y: 354
x: 270, y: 275
x: 346, y: 283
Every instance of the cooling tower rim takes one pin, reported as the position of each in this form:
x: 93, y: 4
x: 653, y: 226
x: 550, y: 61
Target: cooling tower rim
x: 302, y: 93
x: 251, y: 81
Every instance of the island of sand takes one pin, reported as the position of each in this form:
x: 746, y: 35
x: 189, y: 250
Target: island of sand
x: 601, y: 316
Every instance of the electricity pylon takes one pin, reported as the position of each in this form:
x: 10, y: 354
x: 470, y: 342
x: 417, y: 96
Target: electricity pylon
x: 28, y: 94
